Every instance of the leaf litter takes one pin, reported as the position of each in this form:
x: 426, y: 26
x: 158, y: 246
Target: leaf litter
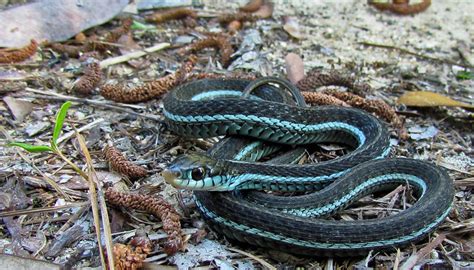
x: 419, y: 66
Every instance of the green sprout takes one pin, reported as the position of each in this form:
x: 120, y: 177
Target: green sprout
x: 53, y: 147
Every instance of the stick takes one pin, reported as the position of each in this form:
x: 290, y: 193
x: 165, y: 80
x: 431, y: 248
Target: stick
x: 129, y: 56
x: 403, y: 50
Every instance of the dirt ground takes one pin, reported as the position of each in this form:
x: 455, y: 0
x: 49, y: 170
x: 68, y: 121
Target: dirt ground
x: 391, y: 53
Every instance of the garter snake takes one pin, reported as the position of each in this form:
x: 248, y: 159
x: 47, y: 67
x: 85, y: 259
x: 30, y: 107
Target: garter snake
x: 209, y: 108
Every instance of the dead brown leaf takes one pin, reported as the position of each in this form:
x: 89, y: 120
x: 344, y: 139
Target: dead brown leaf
x: 19, y: 108
x: 430, y: 99
x: 293, y: 28
x: 53, y: 20
x: 294, y: 67
x: 265, y: 11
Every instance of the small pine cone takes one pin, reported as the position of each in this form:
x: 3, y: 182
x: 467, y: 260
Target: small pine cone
x: 90, y: 80
x: 315, y: 79
x: 156, y: 206
x: 125, y: 257
x: 148, y: 90
x: 172, y: 14
x: 315, y: 98
x: 120, y: 164
x: 377, y: 106
x: 213, y: 41
x: 225, y: 19
x: 19, y: 55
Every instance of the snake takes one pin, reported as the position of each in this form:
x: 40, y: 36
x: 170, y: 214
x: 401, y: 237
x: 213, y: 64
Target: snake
x: 237, y: 184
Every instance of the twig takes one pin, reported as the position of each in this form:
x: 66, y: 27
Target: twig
x: 403, y: 50
x: 411, y: 262
x: 41, y: 210
x: 129, y: 56
x: 261, y: 261
x: 68, y: 135
x: 99, y: 217
x: 81, y: 100
x: 97, y: 103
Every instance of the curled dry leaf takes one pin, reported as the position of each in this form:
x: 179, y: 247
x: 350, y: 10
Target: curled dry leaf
x: 234, y: 26
x: 120, y: 164
x: 265, y: 11
x: 252, y: 6
x: 430, y: 99
x: 293, y: 28
x: 18, y: 55
x: 402, y: 7
x: 294, y: 67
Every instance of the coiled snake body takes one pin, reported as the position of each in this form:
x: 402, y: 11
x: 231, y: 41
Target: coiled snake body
x: 209, y: 108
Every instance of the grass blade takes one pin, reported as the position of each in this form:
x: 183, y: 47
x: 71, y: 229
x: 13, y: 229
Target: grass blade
x: 32, y: 148
x: 58, y: 126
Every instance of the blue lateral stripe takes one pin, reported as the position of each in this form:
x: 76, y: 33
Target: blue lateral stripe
x: 220, y: 94
x: 328, y: 208
x: 295, y: 127
x: 321, y: 245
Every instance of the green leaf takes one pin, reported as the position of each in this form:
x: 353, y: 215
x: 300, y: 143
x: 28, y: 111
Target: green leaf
x: 60, y: 121
x: 465, y: 75
x: 141, y: 26
x: 32, y: 148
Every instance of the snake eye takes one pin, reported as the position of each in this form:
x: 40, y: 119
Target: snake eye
x: 198, y: 173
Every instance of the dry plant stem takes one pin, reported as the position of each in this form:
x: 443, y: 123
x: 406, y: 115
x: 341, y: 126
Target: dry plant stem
x: 403, y: 50
x: 133, y: 55
x: 121, y: 165
x: 264, y: 263
x: 148, y: 90
x: 19, y: 55
x: 402, y: 7
x: 172, y: 14
x: 158, y: 207
x: 41, y: 210
x: 103, y: 216
x: 221, y: 43
x: 90, y: 80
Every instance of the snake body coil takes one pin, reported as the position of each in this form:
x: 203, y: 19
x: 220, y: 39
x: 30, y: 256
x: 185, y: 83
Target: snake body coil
x: 209, y: 108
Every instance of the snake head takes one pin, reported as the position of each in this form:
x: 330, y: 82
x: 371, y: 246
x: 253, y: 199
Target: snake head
x: 196, y: 172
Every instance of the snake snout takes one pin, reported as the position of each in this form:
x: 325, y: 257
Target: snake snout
x: 171, y: 176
